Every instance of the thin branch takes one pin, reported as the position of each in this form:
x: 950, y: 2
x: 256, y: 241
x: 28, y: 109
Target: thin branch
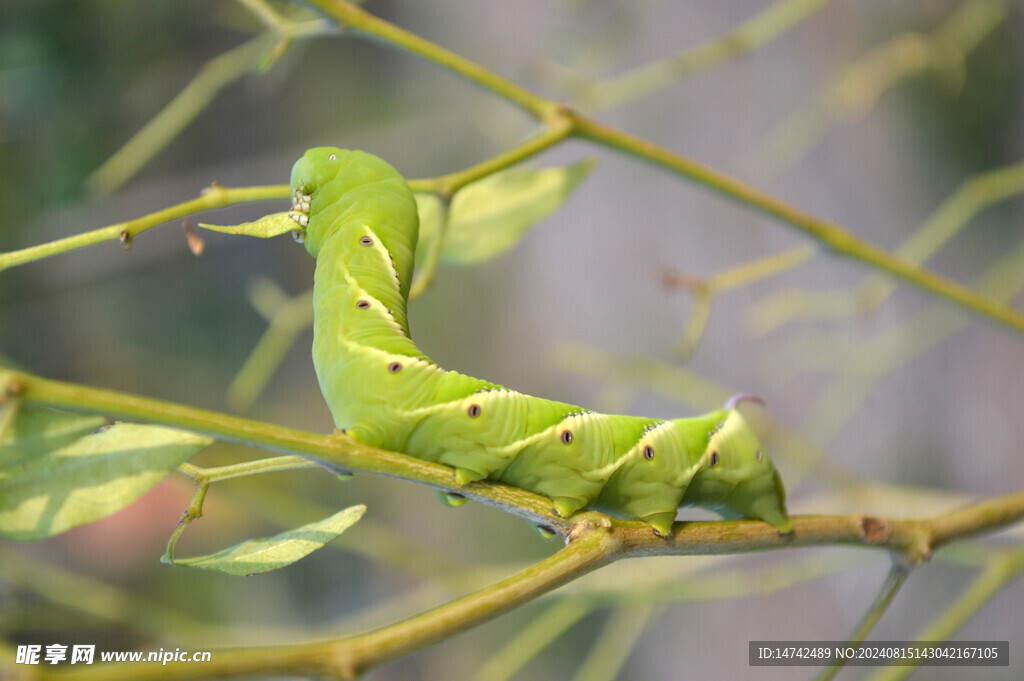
x: 217, y: 74
x: 1003, y: 569
x: 706, y: 289
x: 973, y: 196
x: 212, y: 197
x: 216, y: 196
x: 858, y: 87
x: 619, y: 636
x: 134, y: 610
x: 913, y: 539
x: 275, y: 464
x: 335, y: 450
x: 893, y: 582
x: 557, y: 129
x: 426, y: 273
x: 751, y: 35
x: 352, y: 16
x: 595, y: 541
x: 557, y: 618
x: 193, y: 512
x: 829, y: 234
x: 287, y: 322
x: 212, y: 78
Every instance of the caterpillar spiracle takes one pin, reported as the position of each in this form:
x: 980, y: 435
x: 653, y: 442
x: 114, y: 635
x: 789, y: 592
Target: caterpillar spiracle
x: 360, y: 222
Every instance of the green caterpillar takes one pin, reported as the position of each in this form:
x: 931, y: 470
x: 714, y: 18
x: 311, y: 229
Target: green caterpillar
x: 358, y: 218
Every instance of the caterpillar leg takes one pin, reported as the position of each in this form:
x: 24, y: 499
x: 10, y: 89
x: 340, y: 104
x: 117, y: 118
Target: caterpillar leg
x: 451, y: 499
x: 544, y: 531
x: 566, y: 506
x: 661, y: 523
x: 464, y: 476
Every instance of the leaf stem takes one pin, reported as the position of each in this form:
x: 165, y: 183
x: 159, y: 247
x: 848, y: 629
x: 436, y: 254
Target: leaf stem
x: 193, y: 512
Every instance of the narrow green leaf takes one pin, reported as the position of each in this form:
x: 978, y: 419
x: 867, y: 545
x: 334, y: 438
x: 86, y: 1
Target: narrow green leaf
x: 490, y: 216
x: 27, y: 432
x: 256, y: 556
x: 88, y: 478
x: 267, y: 226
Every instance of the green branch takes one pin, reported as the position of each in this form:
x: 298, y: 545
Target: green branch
x: 997, y: 574
x: 858, y: 87
x: 593, y: 539
x: 354, y: 17
x: 212, y: 197
x: 895, y: 580
x: 913, y: 540
x: 336, y: 450
x: 290, y: 319
x: 751, y: 35
x: 831, y: 235
x: 216, y: 196
x: 595, y: 542
x: 217, y: 74
x: 214, y: 77
x: 562, y: 122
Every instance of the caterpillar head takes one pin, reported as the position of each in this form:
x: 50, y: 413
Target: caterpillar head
x: 324, y: 179
x: 338, y: 189
x: 737, y: 478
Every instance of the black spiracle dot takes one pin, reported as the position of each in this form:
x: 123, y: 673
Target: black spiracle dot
x: 363, y: 304
x: 395, y: 367
x: 759, y: 455
x: 566, y: 437
x: 473, y: 411
x: 366, y: 240
x: 714, y: 458
x: 649, y: 452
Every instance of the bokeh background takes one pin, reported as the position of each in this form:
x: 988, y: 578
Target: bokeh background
x: 907, y: 408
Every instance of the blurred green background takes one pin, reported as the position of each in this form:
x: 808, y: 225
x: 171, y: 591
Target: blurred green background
x: 79, y: 79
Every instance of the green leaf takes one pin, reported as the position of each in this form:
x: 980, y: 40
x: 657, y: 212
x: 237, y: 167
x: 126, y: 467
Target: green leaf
x: 490, y: 216
x: 29, y: 432
x: 88, y: 478
x: 263, y: 555
x: 266, y: 227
